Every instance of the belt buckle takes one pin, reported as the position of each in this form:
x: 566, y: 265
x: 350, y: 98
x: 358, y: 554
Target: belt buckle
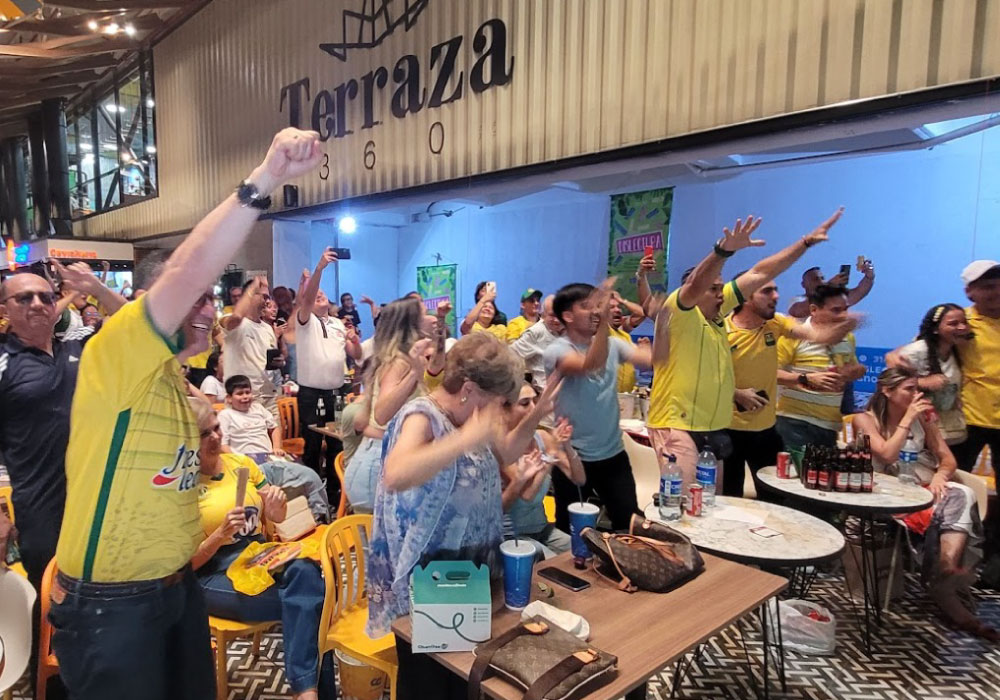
x: 57, y: 594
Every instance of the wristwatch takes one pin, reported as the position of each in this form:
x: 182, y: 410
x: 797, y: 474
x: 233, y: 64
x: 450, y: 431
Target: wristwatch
x: 803, y: 379
x: 250, y: 196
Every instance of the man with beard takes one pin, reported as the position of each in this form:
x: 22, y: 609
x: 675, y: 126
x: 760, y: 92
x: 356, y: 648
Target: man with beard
x: 753, y: 331
x: 128, y: 616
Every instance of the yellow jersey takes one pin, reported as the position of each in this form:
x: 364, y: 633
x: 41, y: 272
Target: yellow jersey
x: 755, y: 366
x: 694, y: 390
x: 217, y: 495
x: 516, y: 328
x: 498, y: 331
x: 626, y: 371
x: 981, y: 371
x: 820, y: 408
x: 132, y: 461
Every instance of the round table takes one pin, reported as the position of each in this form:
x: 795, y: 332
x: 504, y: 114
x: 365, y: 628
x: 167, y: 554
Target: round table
x: 804, y: 539
x: 889, y: 496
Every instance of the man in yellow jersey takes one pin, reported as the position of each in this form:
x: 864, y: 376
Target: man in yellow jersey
x: 531, y: 303
x: 753, y: 331
x: 626, y: 370
x: 129, y: 619
x: 981, y: 364
x: 813, y: 375
x: 693, y: 391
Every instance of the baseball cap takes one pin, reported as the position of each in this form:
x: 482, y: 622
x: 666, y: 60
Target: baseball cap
x: 978, y: 269
x: 531, y: 293
x: 17, y: 598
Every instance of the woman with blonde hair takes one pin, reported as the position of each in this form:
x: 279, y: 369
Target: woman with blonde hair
x: 394, y: 374
x: 905, y: 441
x: 439, y: 495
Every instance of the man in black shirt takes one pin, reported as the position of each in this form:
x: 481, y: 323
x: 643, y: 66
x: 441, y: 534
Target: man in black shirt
x: 37, y: 380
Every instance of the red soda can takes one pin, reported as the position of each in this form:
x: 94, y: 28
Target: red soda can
x: 931, y: 415
x: 695, y: 500
x: 783, y: 458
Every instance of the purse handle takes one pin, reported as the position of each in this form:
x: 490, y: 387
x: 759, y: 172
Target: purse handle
x: 663, y: 549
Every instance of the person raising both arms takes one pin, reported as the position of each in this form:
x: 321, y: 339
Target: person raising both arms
x: 813, y: 278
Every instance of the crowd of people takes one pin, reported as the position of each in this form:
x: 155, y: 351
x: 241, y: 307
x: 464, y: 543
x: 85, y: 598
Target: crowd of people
x: 128, y: 420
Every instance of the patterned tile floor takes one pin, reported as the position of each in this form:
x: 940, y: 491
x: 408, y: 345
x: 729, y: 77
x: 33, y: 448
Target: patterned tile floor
x: 916, y: 658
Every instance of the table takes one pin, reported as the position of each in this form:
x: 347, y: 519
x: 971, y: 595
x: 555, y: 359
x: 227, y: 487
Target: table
x: 329, y: 430
x: 636, y: 430
x: 646, y: 631
x: 889, y: 496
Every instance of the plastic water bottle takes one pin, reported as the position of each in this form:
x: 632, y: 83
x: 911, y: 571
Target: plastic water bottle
x: 670, y: 489
x: 705, y: 475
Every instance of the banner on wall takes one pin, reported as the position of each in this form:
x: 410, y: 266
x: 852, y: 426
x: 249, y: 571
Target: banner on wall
x: 639, y: 220
x: 874, y: 361
x: 437, y: 283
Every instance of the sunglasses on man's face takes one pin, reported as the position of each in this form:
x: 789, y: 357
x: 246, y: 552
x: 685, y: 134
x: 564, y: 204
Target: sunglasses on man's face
x: 25, y: 298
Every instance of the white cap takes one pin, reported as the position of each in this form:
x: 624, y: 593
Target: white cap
x: 17, y: 597
x: 976, y: 269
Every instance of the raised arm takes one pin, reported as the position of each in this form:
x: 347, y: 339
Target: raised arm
x: 242, y: 308
x: 213, y: 242
x: 473, y: 315
x: 375, y: 308
x: 575, y: 363
x: 704, y: 275
x: 308, y: 295
x: 80, y: 277
x: 646, y: 265
x: 864, y: 286
x: 770, y: 267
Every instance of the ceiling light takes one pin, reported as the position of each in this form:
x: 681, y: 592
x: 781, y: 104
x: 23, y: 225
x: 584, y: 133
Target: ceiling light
x: 111, y: 28
x: 130, y: 29
x: 150, y: 149
x: 347, y: 224
x: 126, y: 157
x: 150, y: 104
x: 111, y: 107
x: 92, y: 25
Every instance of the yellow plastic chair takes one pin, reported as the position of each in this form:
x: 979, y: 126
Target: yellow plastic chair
x: 224, y: 632
x: 338, y: 466
x: 48, y: 664
x: 288, y: 412
x: 549, y: 503
x: 345, y: 607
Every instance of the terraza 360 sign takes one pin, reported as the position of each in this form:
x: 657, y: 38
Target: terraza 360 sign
x: 440, y: 80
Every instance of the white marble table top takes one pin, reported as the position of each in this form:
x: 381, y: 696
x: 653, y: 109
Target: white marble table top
x: 803, y: 538
x: 888, y: 495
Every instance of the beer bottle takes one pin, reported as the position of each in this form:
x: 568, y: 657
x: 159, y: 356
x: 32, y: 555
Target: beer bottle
x: 868, y: 475
x: 812, y: 471
x: 842, y: 476
x: 825, y: 481
x: 854, y: 461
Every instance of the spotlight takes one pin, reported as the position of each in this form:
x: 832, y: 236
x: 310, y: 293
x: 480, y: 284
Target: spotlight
x: 347, y: 224
x: 149, y: 103
x: 150, y: 149
x: 92, y: 25
x: 130, y: 29
x: 111, y: 28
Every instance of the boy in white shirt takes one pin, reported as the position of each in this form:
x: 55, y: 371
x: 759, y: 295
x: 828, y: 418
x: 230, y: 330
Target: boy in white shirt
x: 247, y: 427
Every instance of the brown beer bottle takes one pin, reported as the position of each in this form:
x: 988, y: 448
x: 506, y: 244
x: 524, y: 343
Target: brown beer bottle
x: 842, y: 476
x: 868, y: 475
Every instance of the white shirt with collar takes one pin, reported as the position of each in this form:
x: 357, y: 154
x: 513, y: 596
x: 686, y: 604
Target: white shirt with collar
x: 321, y: 352
x: 531, y: 348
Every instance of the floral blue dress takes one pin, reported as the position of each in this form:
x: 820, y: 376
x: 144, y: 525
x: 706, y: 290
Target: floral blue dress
x: 457, y: 515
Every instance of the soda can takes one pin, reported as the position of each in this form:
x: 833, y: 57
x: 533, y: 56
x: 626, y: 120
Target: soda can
x: 931, y: 415
x: 783, y: 458
x: 694, y: 504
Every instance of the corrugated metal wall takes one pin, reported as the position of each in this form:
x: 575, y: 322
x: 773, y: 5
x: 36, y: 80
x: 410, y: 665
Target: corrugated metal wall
x: 588, y: 75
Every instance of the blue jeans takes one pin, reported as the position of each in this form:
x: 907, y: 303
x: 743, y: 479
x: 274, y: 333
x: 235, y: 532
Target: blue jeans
x: 294, y: 476
x: 796, y: 433
x: 296, y: 600
x: 362, y: 475
x: 141, y: 639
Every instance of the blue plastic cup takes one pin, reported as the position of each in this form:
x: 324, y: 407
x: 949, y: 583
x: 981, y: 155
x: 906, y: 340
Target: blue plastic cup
x: 518, y: 562
x: 581, y: 515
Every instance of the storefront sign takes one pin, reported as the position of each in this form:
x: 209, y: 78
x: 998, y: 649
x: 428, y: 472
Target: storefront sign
x: 639, y: 220
x: 437, y: 283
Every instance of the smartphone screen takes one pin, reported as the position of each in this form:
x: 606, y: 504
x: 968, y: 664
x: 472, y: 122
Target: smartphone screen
x: 563, y: 578
x: 845, y: 271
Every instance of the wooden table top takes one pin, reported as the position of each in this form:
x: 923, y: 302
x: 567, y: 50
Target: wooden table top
x: 646, y: 631
x: 330, y: 430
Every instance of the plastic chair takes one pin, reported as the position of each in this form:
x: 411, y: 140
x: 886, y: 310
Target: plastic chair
x: 549, y: 502
x: 218, y: 406
x: 338, y: 466
x: 288, y: 412
x: 48, y: 664
x: 978, y: 486
x: 224, y: 632
x: 17, y: 598
x: 645, y: 468
x: 345, y: 606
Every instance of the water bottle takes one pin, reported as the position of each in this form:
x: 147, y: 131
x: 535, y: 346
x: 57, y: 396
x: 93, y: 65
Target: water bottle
x: 705, y: 475
x: 320, y: 413
x: 670, y: 489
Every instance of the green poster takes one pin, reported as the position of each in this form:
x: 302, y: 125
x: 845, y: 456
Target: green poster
x: 437, y: 283
x: 639, y: 220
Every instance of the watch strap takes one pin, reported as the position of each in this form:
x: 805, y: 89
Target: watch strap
x: 250, y: 196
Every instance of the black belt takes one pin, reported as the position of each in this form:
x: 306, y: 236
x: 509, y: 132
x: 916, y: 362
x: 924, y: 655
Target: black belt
x: 119, y: 589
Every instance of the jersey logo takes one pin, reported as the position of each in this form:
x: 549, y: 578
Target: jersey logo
x: 73, y: 358
x: 182, y: 474
x: 3, y: 364
x: 769, y: 338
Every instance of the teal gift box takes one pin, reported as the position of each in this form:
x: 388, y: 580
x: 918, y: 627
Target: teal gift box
x: 450, y: 606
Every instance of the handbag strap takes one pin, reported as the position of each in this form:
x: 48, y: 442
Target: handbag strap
x: 664, y: 549
x: 560, y: 672
x: 485, y: 652
x: 625, y: 584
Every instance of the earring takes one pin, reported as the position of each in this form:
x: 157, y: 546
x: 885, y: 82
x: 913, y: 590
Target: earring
x: 464, y: 399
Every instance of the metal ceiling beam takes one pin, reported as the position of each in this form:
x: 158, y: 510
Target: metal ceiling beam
x: 37, y: 68
x: 77, y: 26
x: 124, y: 5
x: 32, y: 98
x: 27, y: 85
x: 30, y: 51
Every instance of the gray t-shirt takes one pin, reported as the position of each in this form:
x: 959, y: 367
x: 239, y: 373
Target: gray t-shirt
x: 590, y: 401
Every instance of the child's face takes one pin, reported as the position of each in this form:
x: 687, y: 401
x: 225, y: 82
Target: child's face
x: 241, y: 399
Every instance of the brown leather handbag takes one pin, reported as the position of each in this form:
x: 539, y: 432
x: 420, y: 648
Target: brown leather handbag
x: 651, y: 556
x: 548, y: 662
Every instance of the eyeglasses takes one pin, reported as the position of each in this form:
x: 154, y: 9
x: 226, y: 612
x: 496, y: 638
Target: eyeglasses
x: 25, y: 298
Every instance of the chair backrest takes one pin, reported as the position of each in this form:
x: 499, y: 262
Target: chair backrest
x: 6, y: 503
x: 343, y: 554
x: 45, y: 629
x: 645, y: 468
x: 218, y: 406
x: 288, y: 412
x: 983, y: 466
x: 338, y: 467
x: 978, y: 487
